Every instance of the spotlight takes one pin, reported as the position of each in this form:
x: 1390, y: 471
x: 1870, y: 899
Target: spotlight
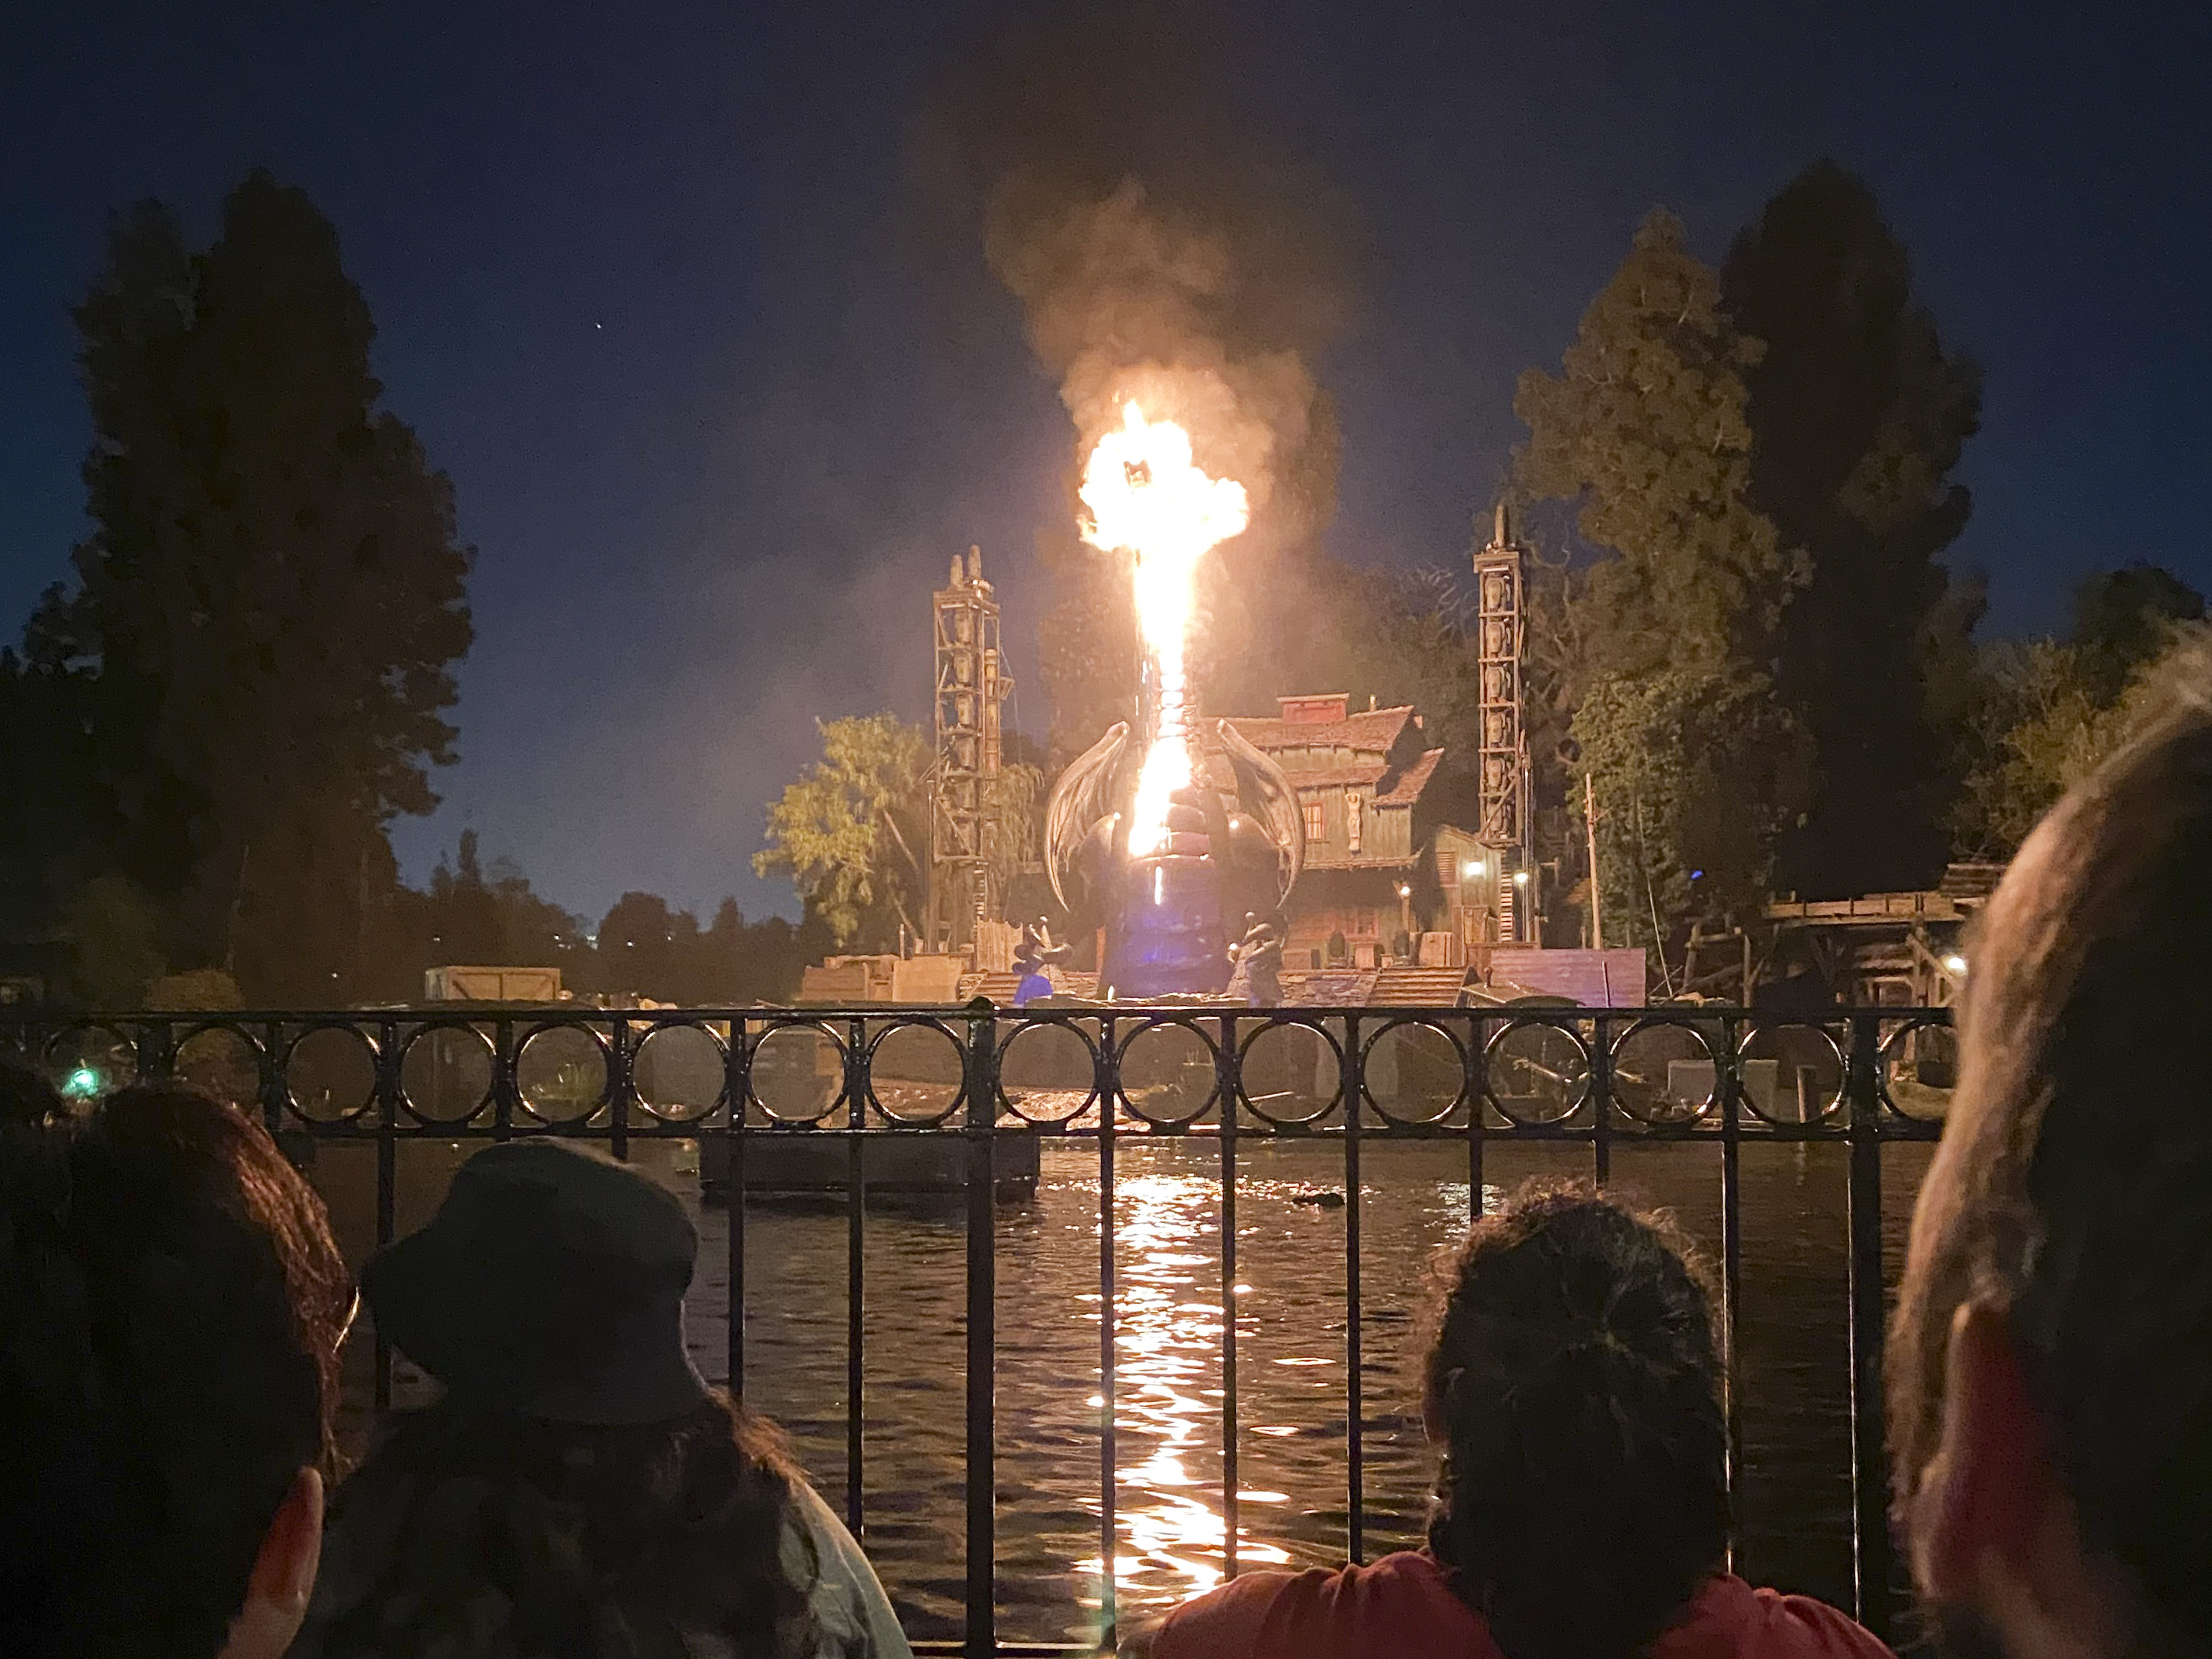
x: 1955, y: 965
x: 1520, y: 877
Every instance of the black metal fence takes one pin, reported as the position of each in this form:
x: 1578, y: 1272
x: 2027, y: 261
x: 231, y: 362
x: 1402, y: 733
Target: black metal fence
x: 823, y: 1095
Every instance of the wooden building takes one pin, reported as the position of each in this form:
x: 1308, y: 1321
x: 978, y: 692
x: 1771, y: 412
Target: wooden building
x: 1387, y: 857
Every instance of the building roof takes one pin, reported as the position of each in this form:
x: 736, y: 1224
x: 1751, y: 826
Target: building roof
x: 1374, y: 730
x: 1325, y: 860
x: 1335, y: 777
x: 1411, y: 782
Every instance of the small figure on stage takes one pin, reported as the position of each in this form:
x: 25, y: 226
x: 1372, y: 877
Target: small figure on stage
x: 1036, y: 953
x: 1260, y: 950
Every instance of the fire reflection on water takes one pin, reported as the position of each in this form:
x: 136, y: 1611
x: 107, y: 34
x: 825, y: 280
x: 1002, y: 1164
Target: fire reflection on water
x: 1291, y: 1384
x: 1168, y: 1393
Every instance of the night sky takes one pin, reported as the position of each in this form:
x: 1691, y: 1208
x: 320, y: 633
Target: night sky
x: 654, y: 286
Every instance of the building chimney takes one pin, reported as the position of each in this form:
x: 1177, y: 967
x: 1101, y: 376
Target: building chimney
x: 1327, y: 708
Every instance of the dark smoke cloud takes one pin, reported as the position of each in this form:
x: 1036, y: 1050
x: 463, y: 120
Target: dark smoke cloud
x: 1163, y: 249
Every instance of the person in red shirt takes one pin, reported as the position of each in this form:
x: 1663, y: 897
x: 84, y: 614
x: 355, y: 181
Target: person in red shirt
x: 1581, y: 1506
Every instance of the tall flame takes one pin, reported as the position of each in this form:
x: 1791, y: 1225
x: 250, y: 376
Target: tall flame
x: 1144, y: 494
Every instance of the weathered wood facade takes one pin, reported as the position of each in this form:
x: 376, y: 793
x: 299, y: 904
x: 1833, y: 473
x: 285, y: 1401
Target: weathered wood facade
x: 1384, y: 849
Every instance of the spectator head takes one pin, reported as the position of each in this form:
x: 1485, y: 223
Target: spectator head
x: 2051, y: 1366
x: 171, y: 1307
x: 1573, y: 1387
x: 576, y: 1476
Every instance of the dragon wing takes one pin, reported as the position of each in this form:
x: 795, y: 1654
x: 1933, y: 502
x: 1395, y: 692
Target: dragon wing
x: 1264, y: 791
x: 1086, y: 792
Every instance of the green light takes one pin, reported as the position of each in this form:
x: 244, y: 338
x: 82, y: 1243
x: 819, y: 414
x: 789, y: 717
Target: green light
x: 84, y: 1082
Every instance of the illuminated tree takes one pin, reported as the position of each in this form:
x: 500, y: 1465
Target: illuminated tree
x: 852, y: 833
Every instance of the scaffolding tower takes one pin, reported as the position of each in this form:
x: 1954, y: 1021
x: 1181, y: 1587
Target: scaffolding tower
x: 1502, y: 759
x: 971, y: 682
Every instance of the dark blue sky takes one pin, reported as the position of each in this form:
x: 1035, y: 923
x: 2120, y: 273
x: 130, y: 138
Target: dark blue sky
x: 646, y: 281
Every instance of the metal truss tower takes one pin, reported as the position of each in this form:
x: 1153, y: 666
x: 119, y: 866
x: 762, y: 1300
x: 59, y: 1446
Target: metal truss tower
x: 971, y: 682
x: 1502, y: 759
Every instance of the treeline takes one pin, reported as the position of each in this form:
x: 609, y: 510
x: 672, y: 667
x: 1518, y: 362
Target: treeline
x: 490, y: 916
x: 206, y: 731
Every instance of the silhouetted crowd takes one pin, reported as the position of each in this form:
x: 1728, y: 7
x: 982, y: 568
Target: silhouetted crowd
x: 172, y: 1308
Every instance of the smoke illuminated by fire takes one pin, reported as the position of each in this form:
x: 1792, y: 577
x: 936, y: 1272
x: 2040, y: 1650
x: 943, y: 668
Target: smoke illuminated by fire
x: 1144, y: 493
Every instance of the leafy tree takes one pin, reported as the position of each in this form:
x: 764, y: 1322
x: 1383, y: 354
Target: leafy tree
x: 1859, y: 415
x: 114, y: 930
x: 1652, y: 652
x: 272, y: 598
x: 1645, y: 428
x: 1695, y: 773
x: 2043, y: 723
x: 852, y: 831
x: 2124, y: 618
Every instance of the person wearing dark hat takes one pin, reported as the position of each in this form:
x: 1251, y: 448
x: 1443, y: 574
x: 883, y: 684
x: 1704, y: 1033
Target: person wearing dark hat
x: 578, y: 1489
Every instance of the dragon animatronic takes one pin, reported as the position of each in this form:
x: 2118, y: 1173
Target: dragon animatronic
x: 1170, y: 913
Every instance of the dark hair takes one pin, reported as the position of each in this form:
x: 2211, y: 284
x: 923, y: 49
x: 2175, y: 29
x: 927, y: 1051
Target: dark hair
x: 474, y: 1533
x: 171, y: 1305
x: 1584, y: 1494
x: 2073, y: 1189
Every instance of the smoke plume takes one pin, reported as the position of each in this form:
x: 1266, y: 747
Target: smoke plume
x: 1162, y: 250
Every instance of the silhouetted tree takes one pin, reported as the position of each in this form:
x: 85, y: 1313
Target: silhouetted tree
x: 1857, y: 415
x: 2124, y: 618
x: 272, y: 599
x: 1673, y: 624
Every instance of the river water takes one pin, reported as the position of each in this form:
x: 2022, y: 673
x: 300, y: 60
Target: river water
x: 1794, y: 1501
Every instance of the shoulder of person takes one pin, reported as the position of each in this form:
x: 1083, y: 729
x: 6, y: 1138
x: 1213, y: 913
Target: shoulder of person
x: 1731, y: 1620
x: 849, y: 1604
x: 1399, y: 1604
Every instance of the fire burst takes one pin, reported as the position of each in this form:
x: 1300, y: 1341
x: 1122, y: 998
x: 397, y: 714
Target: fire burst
x: 1144, y: 496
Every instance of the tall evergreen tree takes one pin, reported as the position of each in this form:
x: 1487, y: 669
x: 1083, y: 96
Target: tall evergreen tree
x: 1644, y: 427
x: 1857, y: 414
x: 1674, y: 623
x: 273, y: 599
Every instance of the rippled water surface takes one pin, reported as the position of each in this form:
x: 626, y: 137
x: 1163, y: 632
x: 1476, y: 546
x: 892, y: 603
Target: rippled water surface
x: 1290, y: 1299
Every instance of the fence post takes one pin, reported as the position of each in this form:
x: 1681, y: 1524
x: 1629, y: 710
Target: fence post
x: 980, y: 1077
x: 1869, y: 1468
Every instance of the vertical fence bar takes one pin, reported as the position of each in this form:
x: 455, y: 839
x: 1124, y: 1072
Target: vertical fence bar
x: 621, y: 1057
x: 1474, y: 1070
x: 506, y: 1078
x: 1600, y: 1089
x: 387, y: 1180
x: 982, y: 1079
x: 1725, y: 1082
x: 856, y: 1217
x: 1869, y: 1474
x: 1108, y: 1081
x: 736, y: 1073
x: 272, y: 1076
x: 1227, y: 1083
x: 1354, y: 1480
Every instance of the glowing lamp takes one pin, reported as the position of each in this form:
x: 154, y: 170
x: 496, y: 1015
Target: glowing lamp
x: 1520, y: 877
x: 1471, y: 869
x: 83, y: 1083
x: 1955, y: 965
